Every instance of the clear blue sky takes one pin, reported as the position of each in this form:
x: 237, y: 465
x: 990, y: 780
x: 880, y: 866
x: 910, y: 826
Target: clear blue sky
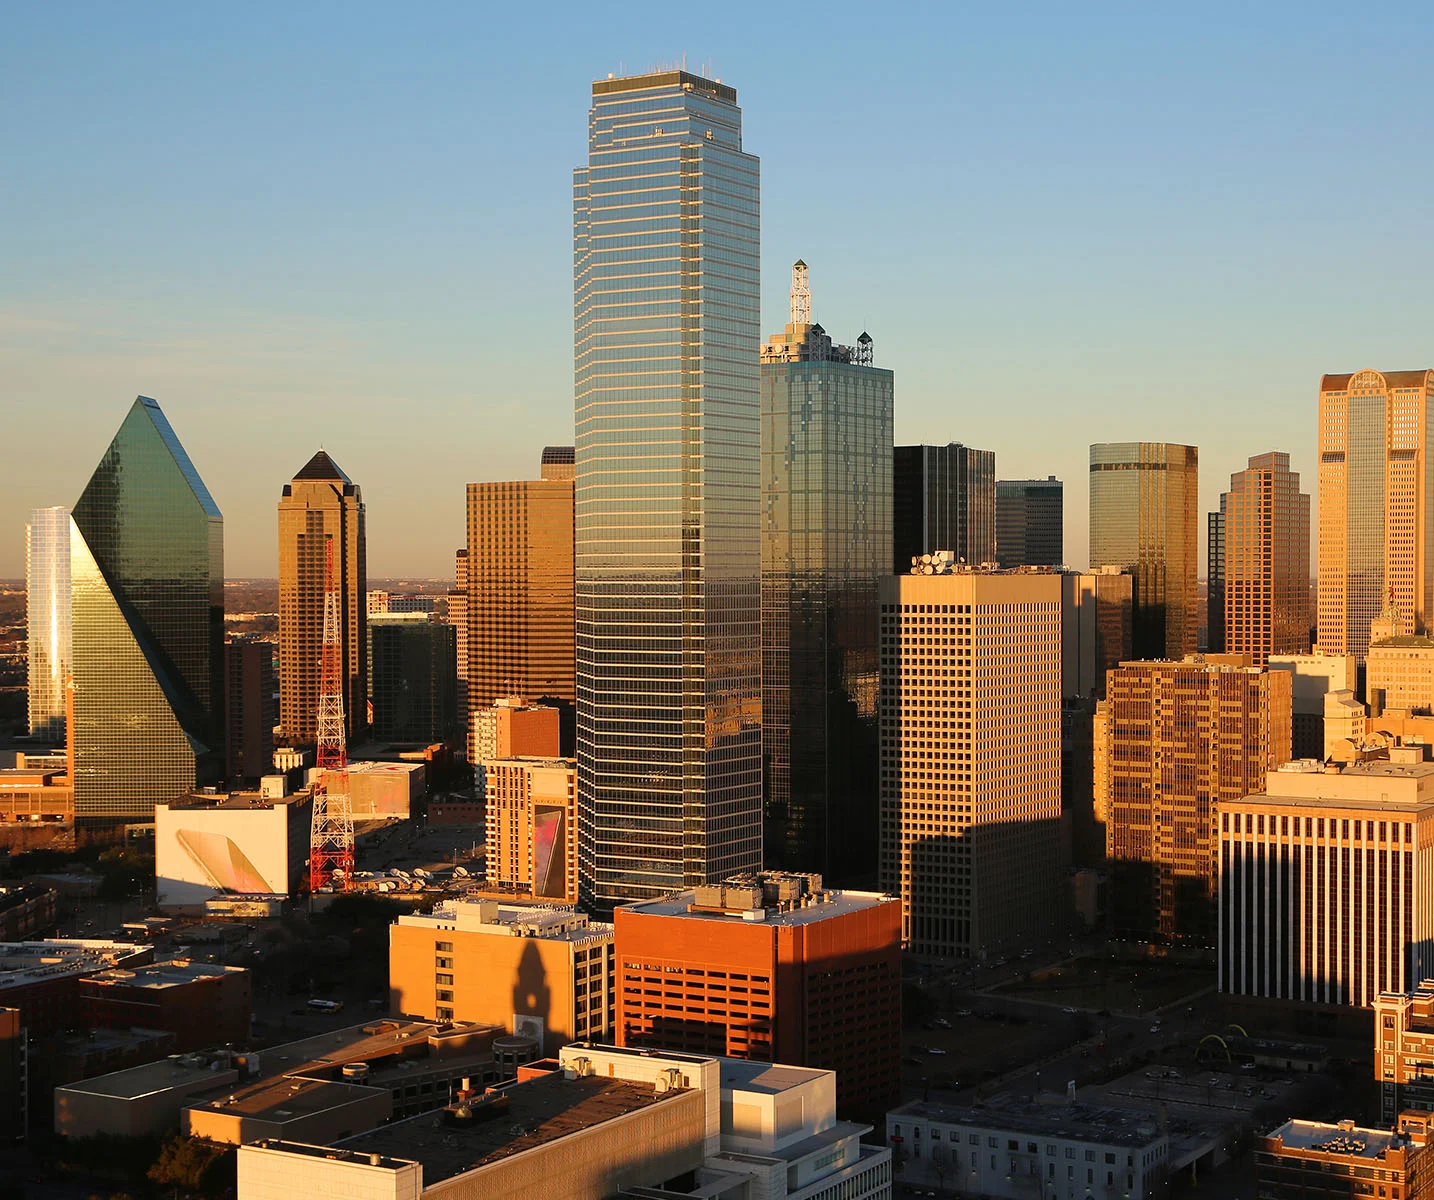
x: 349, y: 224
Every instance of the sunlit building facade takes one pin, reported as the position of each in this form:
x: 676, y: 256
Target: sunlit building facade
x: 1376, y: 490
x: 1265, y: 568
x: 1144, y: 516
x: 970, y: 708
x: 321, y: 504
x: 665, y: 273
x: 47, y: 616
x: 520, y: 596
x: 147, y: 587
x: 826, y: 540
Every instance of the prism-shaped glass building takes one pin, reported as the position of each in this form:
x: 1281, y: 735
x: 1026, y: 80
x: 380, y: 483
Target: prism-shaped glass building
x: 147, y: 600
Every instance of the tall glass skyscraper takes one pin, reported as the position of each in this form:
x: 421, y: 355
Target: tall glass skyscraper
x: 1376, y: 505
x: 668, y: 559
x: 47, y: 617
x: 943, y: 498
x: 147, y: 585
x: 1144, y: 516
x: 826, y: 541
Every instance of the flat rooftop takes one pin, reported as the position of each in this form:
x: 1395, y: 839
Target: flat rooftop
x: 285, y: 1099
x: 833, y: 904
x: 543, y: 1110
x: 243, y: 801
x: 764, y: 1077
x: 185, y: 1072
x: 1351, y: 1142
x: 159, y: 976
x: 1074, y: 1122
x: 31, y: 962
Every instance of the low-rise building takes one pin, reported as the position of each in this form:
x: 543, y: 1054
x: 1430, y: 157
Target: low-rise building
x: 1056, y: 1151
x: 383, y: 789
x: 543, y: 970
x: 202, y: 1004
x: 230, y: 843
x: 606, y: 1123
x: 42, y: 978
x: 14, y: 1072
x: 340, y: 1082
x: 1311, y: 1160
x: 26, y: 911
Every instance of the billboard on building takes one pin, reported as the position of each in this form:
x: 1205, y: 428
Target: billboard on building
x: 549, y: 844
x: 202, y: 852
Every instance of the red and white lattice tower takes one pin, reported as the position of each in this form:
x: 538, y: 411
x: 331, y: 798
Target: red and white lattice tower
x: 331, y: 832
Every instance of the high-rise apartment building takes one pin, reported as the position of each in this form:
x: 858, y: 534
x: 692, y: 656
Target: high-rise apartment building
x: 47, y: 619
x: 1144, y: 516
x: 532, y: 826
x: 147, y: 603
x: 1324, y: 895
x: 413, y: 678
x: 665, y: 279
x: 321, y: 504
x: 1265, y: 569
x: 770, y: 967
x: 970, y: 708
x: 826, y: 539
x: 1030, y: 522
x: 520, y: 594
x: 1172, y: 739
x: 943, y: 498
x: 249, y: 708
x: 458, y: 617
x: 1376, y: 490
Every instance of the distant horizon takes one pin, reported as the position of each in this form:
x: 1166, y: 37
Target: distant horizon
x: 295, y: 230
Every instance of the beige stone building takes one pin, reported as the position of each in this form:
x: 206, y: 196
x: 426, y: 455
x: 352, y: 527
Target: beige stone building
x: 532, y: 826
x: 1399, y: 668
x: 1312, y: 677
x: 1375, y: 480
x: 970, y: 712
x: 318, y: 504
x: 520, y: 592
x: 1324, y: 882
x: 544, y: 970
x: 1172, y: 738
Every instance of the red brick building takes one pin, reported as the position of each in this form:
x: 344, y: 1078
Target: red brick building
x: 774, y: 969
x: 202, y: 1004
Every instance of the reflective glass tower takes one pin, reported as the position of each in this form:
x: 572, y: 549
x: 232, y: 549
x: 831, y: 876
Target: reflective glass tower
x: 147, y: 586
x: 668, y: 560
x: 826, y: 541
x: 47, y: 616
x: 943, y: 498
x: 1144, y: 516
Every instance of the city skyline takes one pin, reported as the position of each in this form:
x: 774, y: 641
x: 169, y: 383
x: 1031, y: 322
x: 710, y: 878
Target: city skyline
x: 1131, y: 274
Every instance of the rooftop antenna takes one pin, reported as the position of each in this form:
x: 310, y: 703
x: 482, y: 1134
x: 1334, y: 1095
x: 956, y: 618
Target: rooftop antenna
x: 801, y: 295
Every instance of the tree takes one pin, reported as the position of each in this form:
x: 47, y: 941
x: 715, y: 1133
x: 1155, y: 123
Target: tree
x: 194, y: 1165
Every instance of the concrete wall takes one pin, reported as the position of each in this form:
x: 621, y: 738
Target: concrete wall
x: 80, y: 1113
x: 272, y: 1174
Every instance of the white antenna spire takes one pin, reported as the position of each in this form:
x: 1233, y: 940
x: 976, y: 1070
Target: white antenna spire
x: 801, y: 295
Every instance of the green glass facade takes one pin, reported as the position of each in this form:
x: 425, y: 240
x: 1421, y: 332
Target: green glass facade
x: 667, y: 537
x: 826, y: 541
x: 413, y: 679
x: 147, y: 581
